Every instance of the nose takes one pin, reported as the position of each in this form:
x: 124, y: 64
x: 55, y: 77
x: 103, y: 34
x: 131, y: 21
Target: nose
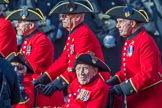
x: 17, y: 24
x: 62, y: 16
x: 82, y: 71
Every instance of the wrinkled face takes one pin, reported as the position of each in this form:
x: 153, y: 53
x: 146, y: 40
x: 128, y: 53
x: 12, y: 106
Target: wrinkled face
x: 69, y: 21
x: 24, y: 27
x: 85, y: 73
x: 124, y: 26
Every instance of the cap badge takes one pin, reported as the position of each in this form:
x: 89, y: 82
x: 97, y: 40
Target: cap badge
x: 127, y: 14
x: 128, y: 10
x: 94, y: 59
x: 24, y: 12
x: 71, y: 9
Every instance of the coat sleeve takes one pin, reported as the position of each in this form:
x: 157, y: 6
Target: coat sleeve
x: 59, y: 66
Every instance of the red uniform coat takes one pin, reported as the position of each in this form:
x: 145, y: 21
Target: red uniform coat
x: 8, y: 41
x: 39, y: 51
x: 141, y: 67
x: 92, y: 95
x: 80, y: 40
x: 29, y: 89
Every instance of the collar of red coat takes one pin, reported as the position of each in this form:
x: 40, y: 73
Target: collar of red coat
x: 75, y: 28
x: 135, y: 33
x: 31, y: 34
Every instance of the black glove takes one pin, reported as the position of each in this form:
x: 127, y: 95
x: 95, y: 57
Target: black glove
x: 43, y: 79
x: 113, y: 81
x: 116, y: 89
x: 58, y: 84
x: 23, y: 95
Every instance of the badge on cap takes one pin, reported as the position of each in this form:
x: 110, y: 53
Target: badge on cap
x: 24, y: 12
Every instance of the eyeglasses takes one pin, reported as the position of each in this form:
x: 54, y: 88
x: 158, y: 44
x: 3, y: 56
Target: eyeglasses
x: 18, y: 66
x: 63, y: 15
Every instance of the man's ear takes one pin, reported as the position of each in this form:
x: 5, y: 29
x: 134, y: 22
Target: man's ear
x: 96, y: 69
x: 133, y: 23
x: 32, y: 25
x: 79, y: 17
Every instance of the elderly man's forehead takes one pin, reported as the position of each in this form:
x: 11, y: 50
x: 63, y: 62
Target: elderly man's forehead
x: 123, y: 19
x: 84, y: 65
x: 23, y: 21
x: 81, y: 64
x: 71, y: 14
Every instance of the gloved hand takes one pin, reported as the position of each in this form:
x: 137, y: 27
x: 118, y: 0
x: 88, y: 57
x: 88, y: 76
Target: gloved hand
x: 58, y: 84
x: 43, y: 79
x: 40, y: 88
x: 113, y: 81
x: 116, y: 89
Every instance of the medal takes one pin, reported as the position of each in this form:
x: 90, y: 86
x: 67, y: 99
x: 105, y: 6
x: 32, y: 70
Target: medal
x: 72, y: 49
x: 28, y: 50
x: 84, y: 95
x: 130, y: 49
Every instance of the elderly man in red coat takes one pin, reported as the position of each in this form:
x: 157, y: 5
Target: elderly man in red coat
x: 88, y: 90
x: 80, y: 39
x: 139, y: 80
x: 8, y: 41
x: 37, y: 49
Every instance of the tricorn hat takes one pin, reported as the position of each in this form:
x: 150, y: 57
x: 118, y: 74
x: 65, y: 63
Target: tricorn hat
x: 128, y: 12
x: 4, y: 1
x: 18, y: 57
x: 71, y: 7
x: 90, y: 59
x: 26, y: 14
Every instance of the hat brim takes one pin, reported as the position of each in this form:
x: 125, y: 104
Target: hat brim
x: 4, y: 1
x: 18, y: 57
x: 86, y: 59
x: 31, y: 15
x: 66, y: 7
x: 118, y: 12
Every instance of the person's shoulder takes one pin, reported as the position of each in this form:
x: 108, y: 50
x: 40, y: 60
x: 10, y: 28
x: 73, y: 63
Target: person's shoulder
x: 4, y: 62
x: 97, y: 85
x: 5, y: 65
x: 145, y: 36
x: 39, y: 36
x: 4, y: 22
